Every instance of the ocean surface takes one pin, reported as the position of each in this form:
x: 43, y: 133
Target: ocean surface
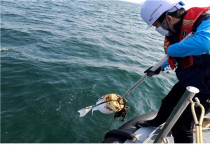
x: 60, y: 56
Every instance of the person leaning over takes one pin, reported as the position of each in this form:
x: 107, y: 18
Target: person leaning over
x: 190, y: 59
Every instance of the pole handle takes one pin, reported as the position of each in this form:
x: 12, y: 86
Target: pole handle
x: 155, y: 67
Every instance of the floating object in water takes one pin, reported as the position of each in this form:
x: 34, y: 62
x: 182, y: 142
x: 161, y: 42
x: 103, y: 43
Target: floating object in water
x: 110, y: 103
x: 113, y: 103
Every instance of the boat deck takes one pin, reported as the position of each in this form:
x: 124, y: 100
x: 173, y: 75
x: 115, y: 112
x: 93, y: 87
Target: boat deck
x: 149, y: 134
x: 142, y: 137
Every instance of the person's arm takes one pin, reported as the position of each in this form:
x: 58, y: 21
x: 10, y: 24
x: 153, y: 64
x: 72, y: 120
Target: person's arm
x: 196, y: 45
x: 165, y: 66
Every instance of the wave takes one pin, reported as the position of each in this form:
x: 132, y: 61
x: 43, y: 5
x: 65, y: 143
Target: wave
x: 2, y: 49
x: 134, y: 1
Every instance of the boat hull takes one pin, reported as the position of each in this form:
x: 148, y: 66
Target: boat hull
x: 128, y: 127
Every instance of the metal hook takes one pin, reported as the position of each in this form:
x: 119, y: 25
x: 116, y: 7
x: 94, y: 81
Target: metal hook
x: 197, y: 101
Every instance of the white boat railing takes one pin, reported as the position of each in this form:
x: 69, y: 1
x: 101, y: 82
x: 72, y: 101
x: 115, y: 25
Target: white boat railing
x: 176, y: 113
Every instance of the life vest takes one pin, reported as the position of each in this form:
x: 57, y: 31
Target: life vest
x: 187, y: 26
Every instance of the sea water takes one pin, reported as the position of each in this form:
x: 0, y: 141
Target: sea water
x: 60, y: 56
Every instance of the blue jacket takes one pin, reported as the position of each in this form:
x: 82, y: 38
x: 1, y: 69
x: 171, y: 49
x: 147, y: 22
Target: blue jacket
x: 198, y: 44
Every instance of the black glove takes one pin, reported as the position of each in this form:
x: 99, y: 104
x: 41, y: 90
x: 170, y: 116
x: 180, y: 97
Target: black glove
x: 151, y: 73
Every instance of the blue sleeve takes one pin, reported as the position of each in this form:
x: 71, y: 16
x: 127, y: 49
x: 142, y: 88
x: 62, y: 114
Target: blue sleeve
x: 198, y: 44
x: 165, y: 66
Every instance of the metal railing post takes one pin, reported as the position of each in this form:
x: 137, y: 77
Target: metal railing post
x: 176, y: 113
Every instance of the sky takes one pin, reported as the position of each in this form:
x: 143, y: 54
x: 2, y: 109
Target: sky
x: 188, y: 3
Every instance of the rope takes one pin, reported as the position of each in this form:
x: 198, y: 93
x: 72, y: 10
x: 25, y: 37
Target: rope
x: 111, y: 124
x: 198, y: 124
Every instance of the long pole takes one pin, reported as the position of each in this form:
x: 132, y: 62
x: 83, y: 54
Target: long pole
x: 155, y: 67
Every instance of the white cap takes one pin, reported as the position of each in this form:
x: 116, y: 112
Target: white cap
x: 151, y: 10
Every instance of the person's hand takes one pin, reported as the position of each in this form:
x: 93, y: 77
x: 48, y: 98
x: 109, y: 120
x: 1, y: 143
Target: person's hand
x: 151, y: 73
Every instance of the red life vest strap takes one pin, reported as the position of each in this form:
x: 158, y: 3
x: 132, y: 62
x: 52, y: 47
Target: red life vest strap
x: 170, y: 59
